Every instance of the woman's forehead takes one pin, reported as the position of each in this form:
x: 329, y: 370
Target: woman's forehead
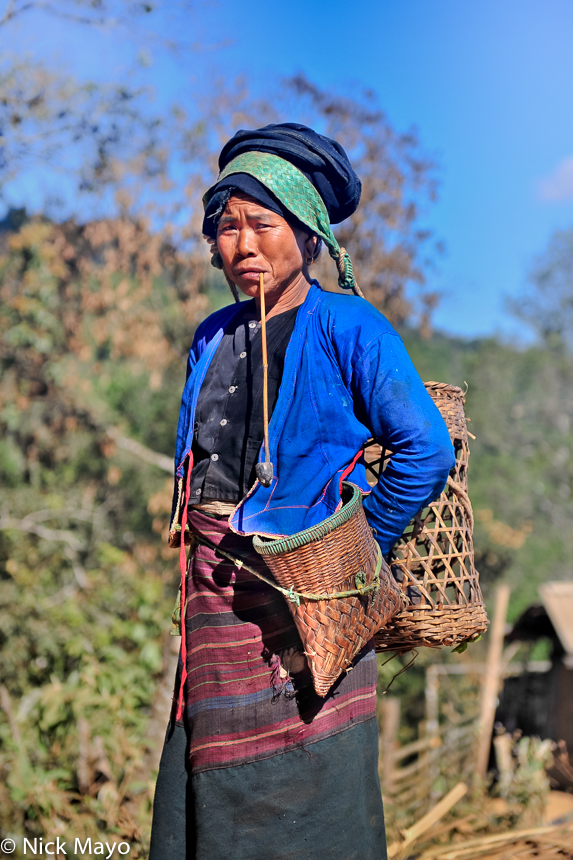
x: 249, y: 206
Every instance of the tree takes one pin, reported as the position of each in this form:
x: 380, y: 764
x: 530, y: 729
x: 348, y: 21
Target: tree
x: 94, y: 139
x: 546, y: 305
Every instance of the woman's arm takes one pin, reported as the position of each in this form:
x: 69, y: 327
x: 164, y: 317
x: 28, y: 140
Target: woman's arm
x: 391, y: 400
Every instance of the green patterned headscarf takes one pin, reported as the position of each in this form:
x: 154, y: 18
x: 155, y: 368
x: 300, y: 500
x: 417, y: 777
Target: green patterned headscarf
x: 298, y: 195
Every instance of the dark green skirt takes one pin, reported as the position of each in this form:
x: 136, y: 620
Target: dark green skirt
x: 322, y: 802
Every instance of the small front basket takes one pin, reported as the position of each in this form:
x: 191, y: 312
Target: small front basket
x: 434, y: 559
x: 338, y: 555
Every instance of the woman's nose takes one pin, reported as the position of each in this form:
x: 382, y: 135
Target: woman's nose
x: 247, y: 243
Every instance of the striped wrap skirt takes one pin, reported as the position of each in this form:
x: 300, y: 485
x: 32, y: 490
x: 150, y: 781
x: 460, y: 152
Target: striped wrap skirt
x: 258, y: 766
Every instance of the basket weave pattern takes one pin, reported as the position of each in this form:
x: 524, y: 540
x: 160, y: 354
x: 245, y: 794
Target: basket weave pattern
x: 436, y: 552
x: 326, y: 560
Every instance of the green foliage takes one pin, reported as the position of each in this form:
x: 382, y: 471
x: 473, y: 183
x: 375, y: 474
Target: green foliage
x: 93, y: 329
x: 523, y: 782
x: 546, y: 305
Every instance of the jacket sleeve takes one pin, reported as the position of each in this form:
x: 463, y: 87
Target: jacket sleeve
x: 197, y: 348
x: 391, y: 400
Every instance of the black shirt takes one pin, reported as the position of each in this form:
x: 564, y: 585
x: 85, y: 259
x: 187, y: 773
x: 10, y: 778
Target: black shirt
x: 229, y: 415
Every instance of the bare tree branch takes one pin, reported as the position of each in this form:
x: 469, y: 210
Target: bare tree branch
x: 139, y: 450
x: 14, y: 11
x: 49, y: 514
x: 9, y: 8
x: 68, y: 590
x: 70, y: 538
x: 74, y: 545
x: 31, y: 522
x: 79, y: 571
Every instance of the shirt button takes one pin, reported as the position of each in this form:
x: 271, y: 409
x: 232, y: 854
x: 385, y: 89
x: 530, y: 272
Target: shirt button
x: 243, y: 355
x: 232, y: 389
x: 223, y: 422
x: 198, y: 492
x: 214, y: 457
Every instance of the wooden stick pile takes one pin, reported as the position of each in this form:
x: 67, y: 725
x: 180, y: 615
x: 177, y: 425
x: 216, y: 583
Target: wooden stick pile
x: 552, y: 842
x: 544, y: 843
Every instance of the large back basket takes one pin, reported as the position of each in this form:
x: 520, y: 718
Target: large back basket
x: 341, y: 589
x: 434, y: 559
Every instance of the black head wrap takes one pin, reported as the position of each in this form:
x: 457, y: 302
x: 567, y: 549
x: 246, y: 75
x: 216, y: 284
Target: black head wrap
x: 322, y: 160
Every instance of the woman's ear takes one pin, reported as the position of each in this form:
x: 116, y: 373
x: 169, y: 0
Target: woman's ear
x: 216, y: 260
x: 310, y: 246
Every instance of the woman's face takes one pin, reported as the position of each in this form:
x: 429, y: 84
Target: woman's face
x: 252, y: 239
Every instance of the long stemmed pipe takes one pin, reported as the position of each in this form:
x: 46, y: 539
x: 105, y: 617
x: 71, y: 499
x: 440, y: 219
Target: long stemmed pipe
x: 264, y: 471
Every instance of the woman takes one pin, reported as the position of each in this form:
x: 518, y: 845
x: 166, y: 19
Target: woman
x: 255, y: 764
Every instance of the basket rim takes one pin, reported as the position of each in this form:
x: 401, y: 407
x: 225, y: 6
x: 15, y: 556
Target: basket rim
x: 289, y: 543
x: 426, y: 610
x: 446, y: 387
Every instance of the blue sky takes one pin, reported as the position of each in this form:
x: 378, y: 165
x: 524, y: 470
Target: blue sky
x: 488, y: 84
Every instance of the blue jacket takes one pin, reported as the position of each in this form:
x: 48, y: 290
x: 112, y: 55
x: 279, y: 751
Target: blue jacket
x: 347, y: 377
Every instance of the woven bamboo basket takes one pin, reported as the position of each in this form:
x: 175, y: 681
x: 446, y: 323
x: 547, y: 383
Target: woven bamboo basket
x: 338, y: 555
x: 435, y: 556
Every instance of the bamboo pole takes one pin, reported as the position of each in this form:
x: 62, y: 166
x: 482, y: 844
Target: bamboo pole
x: 433, y: 728
x: 412, y: 834
x: 390, y: 719
x: 492, y: 677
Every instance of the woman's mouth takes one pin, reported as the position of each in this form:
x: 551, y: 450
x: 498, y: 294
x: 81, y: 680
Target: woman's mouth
x: 250, y: 275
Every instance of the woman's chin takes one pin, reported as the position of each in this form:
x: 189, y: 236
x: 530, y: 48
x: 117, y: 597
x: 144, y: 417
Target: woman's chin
x: 248, y: 288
